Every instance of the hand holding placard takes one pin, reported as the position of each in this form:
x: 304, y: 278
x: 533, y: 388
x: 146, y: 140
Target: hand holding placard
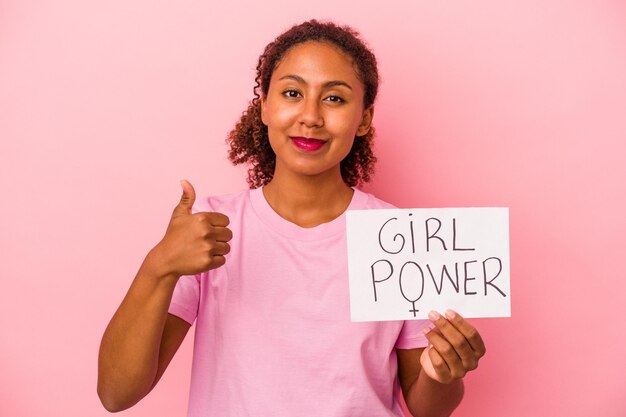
x: 405, y: 262
x: 454, y: 349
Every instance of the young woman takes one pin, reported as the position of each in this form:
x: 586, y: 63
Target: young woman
x: 263, y: 272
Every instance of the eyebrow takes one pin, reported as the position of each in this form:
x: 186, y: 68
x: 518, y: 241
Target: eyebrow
x: 334, y: 83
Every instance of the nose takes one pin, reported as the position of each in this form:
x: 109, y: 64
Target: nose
x: 311, y: 115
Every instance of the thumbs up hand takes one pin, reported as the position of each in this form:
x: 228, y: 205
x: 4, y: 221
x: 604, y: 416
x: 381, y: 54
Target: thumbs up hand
x: 193, y: 243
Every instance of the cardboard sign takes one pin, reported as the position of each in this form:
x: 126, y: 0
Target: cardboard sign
x: 404, y: 263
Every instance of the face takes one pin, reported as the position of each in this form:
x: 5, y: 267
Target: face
x: 314, y: 109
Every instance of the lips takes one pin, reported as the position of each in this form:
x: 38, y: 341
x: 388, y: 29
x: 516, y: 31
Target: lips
x: 308, y: 144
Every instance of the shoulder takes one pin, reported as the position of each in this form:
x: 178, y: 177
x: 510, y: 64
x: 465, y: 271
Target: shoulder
x: 227, y: 203
x: 371, y: 202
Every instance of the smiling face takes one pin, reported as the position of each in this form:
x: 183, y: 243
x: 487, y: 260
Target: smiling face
x: 314, y: 109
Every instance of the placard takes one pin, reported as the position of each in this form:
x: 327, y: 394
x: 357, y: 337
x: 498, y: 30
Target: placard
x: 404, y: 263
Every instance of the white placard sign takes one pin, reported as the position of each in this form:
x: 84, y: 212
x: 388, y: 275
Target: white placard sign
x: 404, y: 263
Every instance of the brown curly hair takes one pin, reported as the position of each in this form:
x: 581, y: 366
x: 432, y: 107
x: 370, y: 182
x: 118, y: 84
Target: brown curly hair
x: 249, y: 142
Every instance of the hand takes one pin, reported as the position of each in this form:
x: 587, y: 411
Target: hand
x: 193, y: 243
x: 455, y: 348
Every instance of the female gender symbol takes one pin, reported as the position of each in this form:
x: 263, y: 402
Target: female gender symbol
x: 420, y: 286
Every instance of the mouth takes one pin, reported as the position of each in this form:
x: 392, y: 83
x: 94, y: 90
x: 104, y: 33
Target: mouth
x: 307, y: 144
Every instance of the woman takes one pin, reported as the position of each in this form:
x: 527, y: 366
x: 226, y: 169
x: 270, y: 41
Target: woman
x: 273, y: 333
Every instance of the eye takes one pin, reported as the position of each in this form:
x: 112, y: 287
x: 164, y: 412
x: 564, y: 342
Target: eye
x: 291, y: 93
x: 334, y: 99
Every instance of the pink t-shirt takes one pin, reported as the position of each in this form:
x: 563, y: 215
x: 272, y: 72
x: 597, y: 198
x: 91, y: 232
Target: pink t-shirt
x: 273, y: 330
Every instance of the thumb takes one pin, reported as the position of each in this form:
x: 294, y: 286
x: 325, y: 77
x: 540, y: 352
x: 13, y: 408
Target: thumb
x: 187, y: 199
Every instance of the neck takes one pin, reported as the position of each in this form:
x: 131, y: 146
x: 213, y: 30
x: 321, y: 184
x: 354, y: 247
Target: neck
x: 308, y: 201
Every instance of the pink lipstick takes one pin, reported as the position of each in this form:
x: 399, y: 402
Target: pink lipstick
x: 307, y: 144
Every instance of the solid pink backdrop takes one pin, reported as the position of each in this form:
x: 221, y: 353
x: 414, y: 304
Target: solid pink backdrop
x: 105, y: 106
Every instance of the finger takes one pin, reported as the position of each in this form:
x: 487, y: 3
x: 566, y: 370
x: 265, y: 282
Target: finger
x: 222, y: 234
x: 447, y: 353
x: 214, y: 234
x: 217, y: 261
x: 187, y: 199
x: 439, y: 365
x: 219, y: 248
x: 213, y: 218
x: 456, y: 339
x: 468, y: 331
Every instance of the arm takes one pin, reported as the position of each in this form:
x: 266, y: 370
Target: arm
x: 432, y: 378
x: 142, y: 337
x: 139, y: 342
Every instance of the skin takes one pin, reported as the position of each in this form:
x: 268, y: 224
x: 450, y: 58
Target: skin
x: 432, y: 378
x: 142, y: 337
x: 314, y: 93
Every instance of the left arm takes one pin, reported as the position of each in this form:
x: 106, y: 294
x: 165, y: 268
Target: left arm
x: 432, y: 378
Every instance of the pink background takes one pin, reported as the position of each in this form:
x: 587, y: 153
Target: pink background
x: 104, y: 106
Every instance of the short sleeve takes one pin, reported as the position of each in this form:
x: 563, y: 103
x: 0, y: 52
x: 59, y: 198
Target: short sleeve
x: 412, y: 335
x: 186, y: 298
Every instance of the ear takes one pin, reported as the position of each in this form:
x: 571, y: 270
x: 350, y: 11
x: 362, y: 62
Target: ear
x: 263, y: 106
x: 366, y: 121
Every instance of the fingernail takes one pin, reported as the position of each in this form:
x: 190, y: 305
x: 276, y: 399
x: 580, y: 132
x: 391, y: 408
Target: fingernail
x: 426, y: 330
x: 433, y: 315
x: 450, y: 314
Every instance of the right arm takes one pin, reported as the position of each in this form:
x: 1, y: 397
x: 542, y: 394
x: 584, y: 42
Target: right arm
x: 142, y: 338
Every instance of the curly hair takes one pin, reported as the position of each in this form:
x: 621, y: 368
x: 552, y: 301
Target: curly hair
x: 249, y: 142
